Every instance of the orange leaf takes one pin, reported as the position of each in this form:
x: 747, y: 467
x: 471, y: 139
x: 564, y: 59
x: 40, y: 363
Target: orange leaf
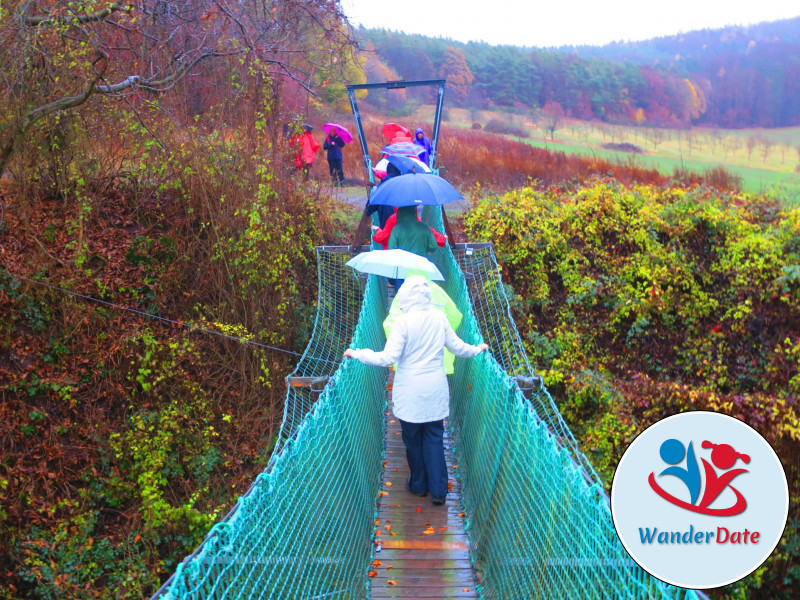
x: 390, y: 566
x: 388, y: 484
x: 392, y: 582
x: 384, y: 493
x: 376, y: 563
x: 419, y: 510
x: 462, y: 514
x: 464, y: 589
x: 378, y: 532
x: 429, y: 531
x: 372, y: 573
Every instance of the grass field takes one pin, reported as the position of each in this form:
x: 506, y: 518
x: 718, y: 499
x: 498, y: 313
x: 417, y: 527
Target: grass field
x: 765, y: 159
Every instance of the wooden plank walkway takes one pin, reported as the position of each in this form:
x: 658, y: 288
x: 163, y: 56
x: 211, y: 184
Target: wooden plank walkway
x: 424, y: 551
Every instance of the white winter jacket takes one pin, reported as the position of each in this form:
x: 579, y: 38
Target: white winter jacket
x: 420, y: 391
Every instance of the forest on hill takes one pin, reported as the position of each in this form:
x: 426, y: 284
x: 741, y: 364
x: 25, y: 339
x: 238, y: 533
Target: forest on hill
x: 158, y: 277
x: 733, y: 77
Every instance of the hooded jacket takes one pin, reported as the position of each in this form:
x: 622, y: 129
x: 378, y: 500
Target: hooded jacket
x: 410, y: 234
x: 425, y: 143
x: 416, y: 344
x: 440, y: 301
x: 307, y: 147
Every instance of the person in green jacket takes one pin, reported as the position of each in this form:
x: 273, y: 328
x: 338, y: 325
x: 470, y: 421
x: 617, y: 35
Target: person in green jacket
x: 411, y: 235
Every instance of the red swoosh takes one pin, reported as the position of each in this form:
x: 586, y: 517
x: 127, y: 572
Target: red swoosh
x: 737, y: 508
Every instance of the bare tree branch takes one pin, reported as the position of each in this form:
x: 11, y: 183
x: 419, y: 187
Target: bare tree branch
x: 40, y: 112
x: 100, y: 15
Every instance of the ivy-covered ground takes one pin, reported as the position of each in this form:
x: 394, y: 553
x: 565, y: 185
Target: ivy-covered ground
x: 638, y: 302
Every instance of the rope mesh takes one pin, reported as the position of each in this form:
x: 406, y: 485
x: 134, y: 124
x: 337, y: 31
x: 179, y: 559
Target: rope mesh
x: 538, y: 521
x: 339, y: 304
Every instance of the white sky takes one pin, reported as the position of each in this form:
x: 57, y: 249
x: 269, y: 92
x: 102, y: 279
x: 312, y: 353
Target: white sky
x: 561, y: 22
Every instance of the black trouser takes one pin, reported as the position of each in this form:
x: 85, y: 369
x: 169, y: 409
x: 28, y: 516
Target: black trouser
x: 425, y: 454
x: 337, y: 173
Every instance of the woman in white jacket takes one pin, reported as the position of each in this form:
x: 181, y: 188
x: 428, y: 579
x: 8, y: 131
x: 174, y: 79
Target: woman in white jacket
x: 421, y: 396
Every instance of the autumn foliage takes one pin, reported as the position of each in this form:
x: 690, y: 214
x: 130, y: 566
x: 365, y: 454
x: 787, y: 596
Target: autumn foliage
x: 638, y: 302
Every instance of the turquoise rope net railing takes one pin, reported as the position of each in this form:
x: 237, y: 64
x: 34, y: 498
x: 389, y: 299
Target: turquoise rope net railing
x: 339, y: 303
x: 489, y: 302
x: 304, y: 529
x: 538, y: 520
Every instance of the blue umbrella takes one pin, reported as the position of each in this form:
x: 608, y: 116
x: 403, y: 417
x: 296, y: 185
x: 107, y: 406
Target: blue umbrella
x: 393, y: 264
x: 414, y: 189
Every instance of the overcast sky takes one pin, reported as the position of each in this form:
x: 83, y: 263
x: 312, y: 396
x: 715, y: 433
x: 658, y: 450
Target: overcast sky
x: 561, y: 22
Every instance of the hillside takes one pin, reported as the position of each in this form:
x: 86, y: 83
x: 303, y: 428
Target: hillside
x: 749, y: 73
x: 734, y: 77
x: 693, y: 48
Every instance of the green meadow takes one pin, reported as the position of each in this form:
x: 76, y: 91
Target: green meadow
x: 766, y: 160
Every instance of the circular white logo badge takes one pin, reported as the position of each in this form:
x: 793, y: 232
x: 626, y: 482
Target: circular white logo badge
x: 699, y: 500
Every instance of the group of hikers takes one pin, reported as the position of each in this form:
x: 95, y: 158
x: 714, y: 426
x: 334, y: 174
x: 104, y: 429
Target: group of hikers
x: 306, y: 147
x: 421, y: 344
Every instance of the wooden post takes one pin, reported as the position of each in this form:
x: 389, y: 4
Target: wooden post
x: 449, y: 232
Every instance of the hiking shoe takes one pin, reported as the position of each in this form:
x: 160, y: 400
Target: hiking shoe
x: 438, y: 500
x: 408, y: 487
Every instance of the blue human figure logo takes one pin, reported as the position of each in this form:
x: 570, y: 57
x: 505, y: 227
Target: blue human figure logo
x: 672, y: 453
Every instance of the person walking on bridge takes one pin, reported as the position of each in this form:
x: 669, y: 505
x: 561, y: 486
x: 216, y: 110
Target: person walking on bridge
x: 421, y: 395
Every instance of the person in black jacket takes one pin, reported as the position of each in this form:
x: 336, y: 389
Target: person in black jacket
x: 334, y: 144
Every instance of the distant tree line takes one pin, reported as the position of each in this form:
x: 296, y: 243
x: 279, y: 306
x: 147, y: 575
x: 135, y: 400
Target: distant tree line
x: 736, y: 77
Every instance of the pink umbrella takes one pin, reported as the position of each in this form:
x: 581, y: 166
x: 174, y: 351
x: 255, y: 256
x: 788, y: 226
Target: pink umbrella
x: 342, y: 132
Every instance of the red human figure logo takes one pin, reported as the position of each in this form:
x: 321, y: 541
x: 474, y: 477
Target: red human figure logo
x: 724, y: 457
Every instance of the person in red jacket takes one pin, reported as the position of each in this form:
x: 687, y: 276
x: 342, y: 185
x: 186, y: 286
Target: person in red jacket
x: 307, y: 147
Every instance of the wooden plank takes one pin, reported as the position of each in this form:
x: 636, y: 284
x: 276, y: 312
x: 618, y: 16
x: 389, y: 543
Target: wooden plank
x: 415, y: 561
x: 423, y: 544
x: 424, y: 593
x: 411, y: 563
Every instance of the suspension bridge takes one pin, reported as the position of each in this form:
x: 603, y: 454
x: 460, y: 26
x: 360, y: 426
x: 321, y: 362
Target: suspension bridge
x: 526, y: 517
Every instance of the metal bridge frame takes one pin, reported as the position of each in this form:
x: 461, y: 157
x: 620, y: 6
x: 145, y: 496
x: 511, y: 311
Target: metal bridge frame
x: 361, y: 232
